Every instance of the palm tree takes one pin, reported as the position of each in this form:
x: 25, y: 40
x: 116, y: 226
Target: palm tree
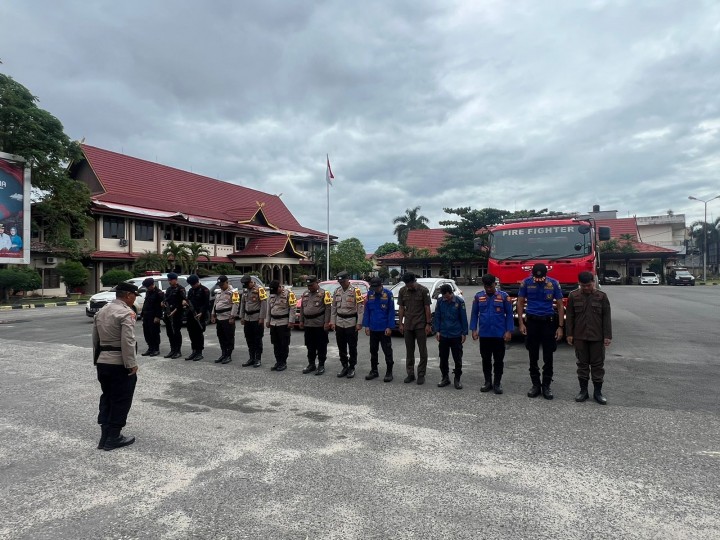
x: 178, y: 253
x: 195, y: 250
x: 409, y: 222
x: 150, y: 261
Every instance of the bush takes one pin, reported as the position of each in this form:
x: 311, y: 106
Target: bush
x: 113, y: 277
x: 74, y: 274
x: 19, y: 278
x: 223, y: 269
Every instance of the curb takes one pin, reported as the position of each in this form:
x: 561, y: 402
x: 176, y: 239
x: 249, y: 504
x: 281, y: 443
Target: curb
x: 49, y: 304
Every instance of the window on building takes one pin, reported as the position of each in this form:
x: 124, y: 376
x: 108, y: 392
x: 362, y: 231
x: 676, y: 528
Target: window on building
x: 239, y: 243
x: 426, y: 271
x: 211, y: 237
x: 167, y: 232
x: 455, y: 271
x: 228, y: 238
x: 144, y: 231
x: 51, y: 278
x: 113, y: 227
x: 177, y: 233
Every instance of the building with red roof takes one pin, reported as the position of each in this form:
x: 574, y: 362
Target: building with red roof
x: 139, y: 206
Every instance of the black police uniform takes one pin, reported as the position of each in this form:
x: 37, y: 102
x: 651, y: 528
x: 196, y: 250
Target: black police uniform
x: 199, y: 300
x: 152, y: 309
x: 174, y: 297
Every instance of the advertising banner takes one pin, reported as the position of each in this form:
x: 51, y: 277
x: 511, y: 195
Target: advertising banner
x: 14, y: 210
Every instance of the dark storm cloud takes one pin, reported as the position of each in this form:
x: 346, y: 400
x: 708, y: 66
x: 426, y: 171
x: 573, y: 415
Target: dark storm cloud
x: 437, y: 104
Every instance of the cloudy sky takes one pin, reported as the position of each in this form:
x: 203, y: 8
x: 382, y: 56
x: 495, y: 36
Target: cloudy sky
x: 514, y: 105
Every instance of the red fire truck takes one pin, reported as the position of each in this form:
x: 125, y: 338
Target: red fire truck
x: 567, y: 244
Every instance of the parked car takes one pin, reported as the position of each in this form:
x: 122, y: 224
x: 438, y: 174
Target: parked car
x: 649, y: 278
x: 433, y: 285
x: 611, y: 277
x: 99, y: 300
x: 680, y: 277
x: 329, y: 286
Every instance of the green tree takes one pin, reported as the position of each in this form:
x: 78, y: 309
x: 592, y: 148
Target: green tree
x: 224, y: 269
x: 36, y: 135
x: 349, y: 255
x: 115, y: 276
x: 387, y: 247
x: 319, y: 258
x: 459, y: 245
x: 178, y: 255
x: 18, y: 278
x: 150, y: 262
x: 195, y: 251
x: 74, y: 274
x: 411, y: 221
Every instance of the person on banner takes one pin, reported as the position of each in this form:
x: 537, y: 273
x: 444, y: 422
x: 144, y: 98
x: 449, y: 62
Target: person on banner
x: 5, y: 241
x: 15, y: 240
x: 198, y: 305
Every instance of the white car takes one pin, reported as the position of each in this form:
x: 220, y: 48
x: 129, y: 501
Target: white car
x: 649, y: 278
x: 433, y: 285
x: 99, y: 300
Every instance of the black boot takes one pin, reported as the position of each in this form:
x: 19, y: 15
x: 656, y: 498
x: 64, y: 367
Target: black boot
x: 103, y: 436
x: 373, y: 374
x: 597, y: 394
x: 199, y: 356
x: 497, y: 386
x: 320, y: 369
x: 458, y: 384
x: 170, y: 354
x: 221, y: 357
x: 445, y: 381
x: 116, y: 440
x: 351, y: 372
x: 257, y: 362
x: 487, y: 386
x: 309, y: 369
x: 282, y: 366
x: 176, y: 354
x: 228, y: 358
x: 274, y: 368
x: 147, y: 353
x: 192, y: 356
x: 410, y: 378
x: 156, y: 352
x: 546, y: 392
x: 535, y: 390
x: 388, y: 374
x: 250, y: 361
x: 583, y: 394
x: 343, y: 371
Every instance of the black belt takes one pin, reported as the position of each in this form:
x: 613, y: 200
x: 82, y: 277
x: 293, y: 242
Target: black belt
x: 252, y: 312
x: 313, y: 316
x: 545, y: 318
x: 280, y: 316
x: 351, y: 316
x: 109, y: 348
x: 223, y: 310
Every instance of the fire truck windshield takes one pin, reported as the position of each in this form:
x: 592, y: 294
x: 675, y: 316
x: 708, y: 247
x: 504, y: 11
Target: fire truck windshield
x: 540, y: 242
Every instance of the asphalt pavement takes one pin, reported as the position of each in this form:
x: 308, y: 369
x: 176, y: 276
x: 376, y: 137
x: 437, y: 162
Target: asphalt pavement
x: 224, y: 451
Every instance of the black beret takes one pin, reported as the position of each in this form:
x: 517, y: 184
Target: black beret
x: 312, y: 279
x: 222, y: 279
x: 245, y: 279
x: 148, y: 281
x: 408, y: 277
x: 539, y: 270
x: 172, y: 275
x: 193, y: 279
x: 343, y: 275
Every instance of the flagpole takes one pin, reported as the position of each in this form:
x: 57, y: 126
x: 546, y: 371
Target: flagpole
x: 327, y: 257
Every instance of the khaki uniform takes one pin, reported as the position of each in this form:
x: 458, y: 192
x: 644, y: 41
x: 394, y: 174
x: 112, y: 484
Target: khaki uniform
x: 114, y: 326
x: 316, y: 309
x: 253, y: 304
x: 587, y: 321
x: 347, y: 307
x: 226, y: 304
x: 414, y: 319
x: 282, y: 308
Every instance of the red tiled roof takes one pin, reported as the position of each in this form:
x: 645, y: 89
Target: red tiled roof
x: 393, y: 255
x: 641, y: 247
x: 132, y: 181
x: 265, y: 247
x: 430, y: 239
x: 620, y: 226
x: 115, y: 255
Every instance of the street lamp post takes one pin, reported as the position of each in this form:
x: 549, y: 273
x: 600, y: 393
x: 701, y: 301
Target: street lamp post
x: 705, y: 231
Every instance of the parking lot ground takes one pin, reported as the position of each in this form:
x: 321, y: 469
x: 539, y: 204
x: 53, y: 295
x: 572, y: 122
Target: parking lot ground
x: 232, y: 452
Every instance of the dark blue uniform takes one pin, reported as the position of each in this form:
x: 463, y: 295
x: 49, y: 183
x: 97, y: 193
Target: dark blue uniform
x: 151, y: 310
x: 491, y: 318
x: 174, y: 297
x: 379, y: 315
x: 541, y: 322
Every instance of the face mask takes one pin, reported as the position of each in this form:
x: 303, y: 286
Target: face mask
x: 274, y: 290
x: 246, y: 285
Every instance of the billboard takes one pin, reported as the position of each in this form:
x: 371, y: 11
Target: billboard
x: 14, y: 210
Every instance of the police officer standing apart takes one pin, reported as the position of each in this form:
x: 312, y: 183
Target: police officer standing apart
x: 173, y: 306
x: 113, y: 338
x: 224, y: 310
x: 281, y: 306
x: 198, y: 305
x: 346, y: 320
x: 152, y: 313
x: 315, y: 321
x: 491, y: 320
x: 538, y: 297
x: 415, y: 325
x: 451, y: 323
x: 253, y: 312
x: 379, y: 320
x: 589, y: 330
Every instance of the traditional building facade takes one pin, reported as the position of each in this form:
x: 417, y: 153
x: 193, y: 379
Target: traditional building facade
x: 140, y: 207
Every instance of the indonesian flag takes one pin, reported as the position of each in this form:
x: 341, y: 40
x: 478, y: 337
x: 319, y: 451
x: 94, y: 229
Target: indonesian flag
x: 328, y: 173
